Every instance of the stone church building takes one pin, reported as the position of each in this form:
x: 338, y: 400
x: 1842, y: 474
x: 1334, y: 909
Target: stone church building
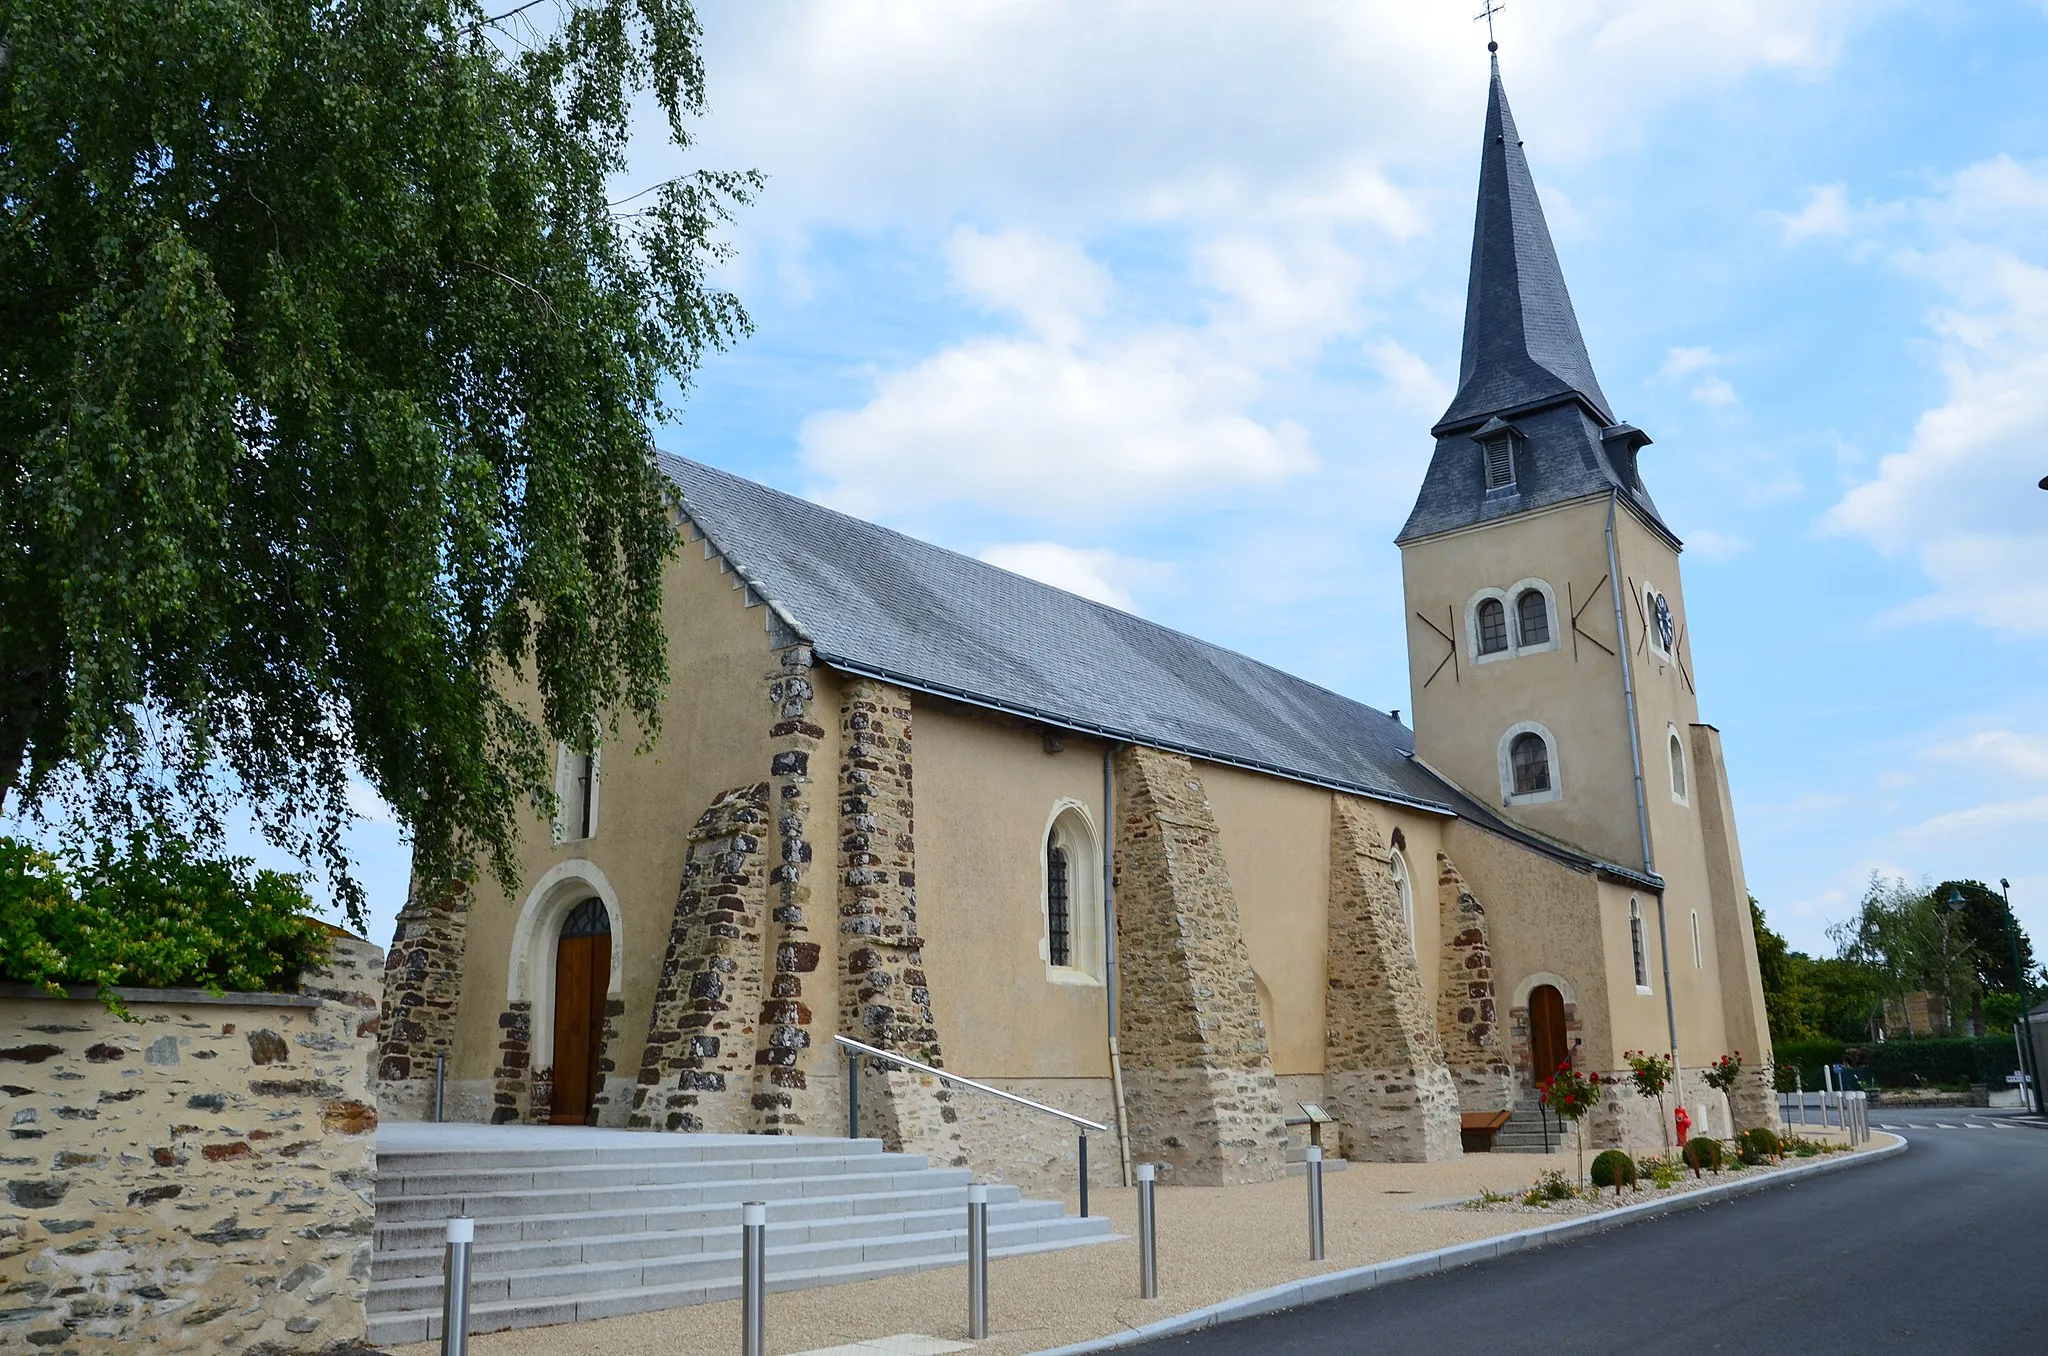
x: 911, y: 798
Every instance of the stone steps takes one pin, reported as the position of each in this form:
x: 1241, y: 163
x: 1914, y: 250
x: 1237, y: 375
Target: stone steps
x: 1523, y: 1134
x: 619, y: 1222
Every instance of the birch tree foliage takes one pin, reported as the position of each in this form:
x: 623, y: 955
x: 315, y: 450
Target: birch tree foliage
x: 327, y: 367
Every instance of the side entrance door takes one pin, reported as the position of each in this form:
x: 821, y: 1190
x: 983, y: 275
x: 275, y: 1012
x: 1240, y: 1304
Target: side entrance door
x: 1546, y: 1030
x: 583, y: 967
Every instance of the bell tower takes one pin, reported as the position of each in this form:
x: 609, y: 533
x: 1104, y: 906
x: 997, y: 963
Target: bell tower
x: 1549, y: 657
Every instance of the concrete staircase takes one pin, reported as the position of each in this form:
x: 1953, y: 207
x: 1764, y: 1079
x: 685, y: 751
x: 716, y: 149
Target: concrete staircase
x: 575, y: 1224
x: 1523, y: 1134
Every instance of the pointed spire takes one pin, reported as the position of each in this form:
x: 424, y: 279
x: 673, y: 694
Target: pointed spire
x: 1522, y: 340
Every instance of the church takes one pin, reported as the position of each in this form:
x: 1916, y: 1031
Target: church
x: 910, y: 798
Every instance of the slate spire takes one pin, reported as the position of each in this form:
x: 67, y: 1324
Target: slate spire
x: 1522, y: 342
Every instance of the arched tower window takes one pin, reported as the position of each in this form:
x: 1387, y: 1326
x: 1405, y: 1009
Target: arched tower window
x: 578, y: 777
x: 1493, y: 627
x: 1397, y: 866
x: 1529, y: 757
x: 1532, y: 615
x: 1637, y: 951
x: 1677, y: 768
x: 1072, y: 902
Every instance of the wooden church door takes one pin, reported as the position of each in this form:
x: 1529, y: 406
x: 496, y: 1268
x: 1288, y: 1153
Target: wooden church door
x: 583, y: 968
x: 1546, y: 1029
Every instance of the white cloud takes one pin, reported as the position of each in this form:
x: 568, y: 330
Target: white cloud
x: 366, y: 804
x: 1716, y: 393
x: 1827, y: 213
x: 2016, y: 755
x: 1715, y: 546
x: 1680, y: 361
x: 1103, y: 576
x: 1052, y: 285
x: 1996, y: 817
x: 1960, y: 496
x: 1411, y: 381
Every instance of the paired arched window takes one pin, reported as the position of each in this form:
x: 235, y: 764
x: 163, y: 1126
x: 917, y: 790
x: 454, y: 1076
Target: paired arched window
x: 1638, y: 952
x: 1532, y: 616
x: 1529, y: 759
x: 1072, y: 902
x: 1521, y: 619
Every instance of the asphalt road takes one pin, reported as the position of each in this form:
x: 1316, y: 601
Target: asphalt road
x: 1943, y: 1248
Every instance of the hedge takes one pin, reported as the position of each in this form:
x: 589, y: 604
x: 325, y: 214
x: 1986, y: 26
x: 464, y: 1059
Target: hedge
x: 1902, y: 1063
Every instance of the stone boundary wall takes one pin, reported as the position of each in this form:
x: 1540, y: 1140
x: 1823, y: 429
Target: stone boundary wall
x: 422, y: 990
x: 1467, y: 1016
x: 201, y: 1179
x: 1198, y: 1075
x: 1383, y: 1062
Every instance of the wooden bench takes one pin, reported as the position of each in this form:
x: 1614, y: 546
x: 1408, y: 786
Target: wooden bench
x: 1477, y: 1129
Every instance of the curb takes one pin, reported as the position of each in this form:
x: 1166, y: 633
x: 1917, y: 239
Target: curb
x: 1294, y: 1294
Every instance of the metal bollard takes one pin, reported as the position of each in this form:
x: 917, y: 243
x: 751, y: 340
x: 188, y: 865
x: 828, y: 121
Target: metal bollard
x: 1148, y: 1235
x: 754, y: 1279
x: 440, y: 1084
x: 1315, y: 1202
x: 455, y: 1288
x: 1084, y: 1174
x: 977, y: 1262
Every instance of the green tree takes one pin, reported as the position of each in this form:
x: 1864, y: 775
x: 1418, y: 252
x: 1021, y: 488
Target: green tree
x: 328, y: 356
x: 1910, y: 942
x: 1983, y: 920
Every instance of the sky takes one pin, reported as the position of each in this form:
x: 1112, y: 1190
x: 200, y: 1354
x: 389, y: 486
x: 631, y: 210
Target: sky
x: 1156, y: 300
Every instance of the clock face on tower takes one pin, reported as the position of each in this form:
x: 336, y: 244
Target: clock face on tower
x: 1666, y: 628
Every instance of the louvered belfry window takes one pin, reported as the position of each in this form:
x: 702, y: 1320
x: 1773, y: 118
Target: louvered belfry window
x: 1058, y: 908
x: 1500, y: 464
x: 1493, y: 627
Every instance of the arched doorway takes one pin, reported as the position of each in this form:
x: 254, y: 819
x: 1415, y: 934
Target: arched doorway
x: 1546, y: 1030
x: 583, y: 966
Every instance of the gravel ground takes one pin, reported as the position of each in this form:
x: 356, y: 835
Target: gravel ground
x: 1607, y: 1200
x: 1214, y: 1242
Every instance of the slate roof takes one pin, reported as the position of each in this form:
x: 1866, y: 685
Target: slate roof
x: 873, y: 601
x: 1524, y: 363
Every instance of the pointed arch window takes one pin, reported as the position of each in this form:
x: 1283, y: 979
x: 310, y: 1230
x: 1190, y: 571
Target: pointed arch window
x: 1059, y: 914
x: 1493, y: 627
x: 1638, y: 952
x: 579, y: 777
x: 1677, y: 751
x: 1404, y: 890
x: 1072, y: 903
x: 1532, y: 618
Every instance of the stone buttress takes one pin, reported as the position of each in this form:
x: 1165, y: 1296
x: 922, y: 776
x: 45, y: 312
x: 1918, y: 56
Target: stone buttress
x: 884, y: 998
x: 696, y: 1073
x: 1383, y: 1063
x: 1198, y: 1077
x: 1466, y: 1013
x: 422, y: 987
x: 786, y: 1053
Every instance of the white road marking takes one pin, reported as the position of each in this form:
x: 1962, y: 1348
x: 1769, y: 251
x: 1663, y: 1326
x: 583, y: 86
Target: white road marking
x: 1944, y: 1125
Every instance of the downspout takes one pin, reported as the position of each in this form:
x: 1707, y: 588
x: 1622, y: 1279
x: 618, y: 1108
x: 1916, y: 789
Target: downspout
x: 1635, y: 753
x: 1109, y: 970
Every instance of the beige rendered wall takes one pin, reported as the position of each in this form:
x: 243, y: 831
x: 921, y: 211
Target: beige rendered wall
x: 714, y: 737
x: 1574, y: 690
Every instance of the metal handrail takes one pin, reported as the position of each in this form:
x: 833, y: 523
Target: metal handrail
x: 969, y: 1083
x: 855, y: 1049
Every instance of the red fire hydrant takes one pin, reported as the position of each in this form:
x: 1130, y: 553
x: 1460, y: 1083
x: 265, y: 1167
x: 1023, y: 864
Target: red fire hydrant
x: 1684, y: 1125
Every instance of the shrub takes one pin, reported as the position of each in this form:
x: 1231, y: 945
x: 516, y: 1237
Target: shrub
x: 1662, y: 1172
x: 1551, y: 1185
x: 149, y: 913
x: 1758, y: 1144
x: 1703, y: 1152
x: 1612, y: 1167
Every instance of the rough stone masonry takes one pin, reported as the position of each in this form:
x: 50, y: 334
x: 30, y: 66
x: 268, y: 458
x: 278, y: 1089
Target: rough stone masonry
x: 1198, y: 1075
x: 1383, y: 1060
x: 201, y: 1179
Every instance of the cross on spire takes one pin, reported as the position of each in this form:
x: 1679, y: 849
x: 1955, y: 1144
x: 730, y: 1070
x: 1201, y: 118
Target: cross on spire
x: 1492, y: 8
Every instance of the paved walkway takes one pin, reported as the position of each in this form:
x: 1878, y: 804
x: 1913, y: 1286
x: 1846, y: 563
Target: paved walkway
x: 1215, y: 1243
x: 1937, y: 1250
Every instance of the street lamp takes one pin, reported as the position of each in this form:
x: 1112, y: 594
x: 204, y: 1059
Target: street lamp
x: 2035, y: 1093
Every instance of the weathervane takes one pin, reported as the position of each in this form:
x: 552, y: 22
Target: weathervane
x: 1487, y: 14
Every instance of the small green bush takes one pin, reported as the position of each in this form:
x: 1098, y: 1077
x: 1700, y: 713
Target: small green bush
x: 1703, y: 1152
x: 1762, y: 1142
x: 1551, y: 1185
x: 1662, y: 1172
x: 1613, y: 1168
x: 150, y: 913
